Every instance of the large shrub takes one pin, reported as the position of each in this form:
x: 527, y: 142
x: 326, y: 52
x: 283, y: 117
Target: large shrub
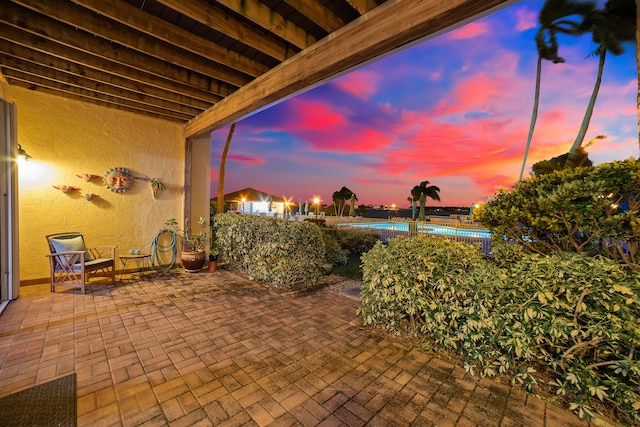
x: 283, y: 253
x: 354, y: 241
x: 403, y: 280
x: 580, y: 316
x: 592, y: 210
x: 577, y: 314
x: 334, y: 253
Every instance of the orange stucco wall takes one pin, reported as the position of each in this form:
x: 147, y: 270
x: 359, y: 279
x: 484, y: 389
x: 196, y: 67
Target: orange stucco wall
x: 66, y: 138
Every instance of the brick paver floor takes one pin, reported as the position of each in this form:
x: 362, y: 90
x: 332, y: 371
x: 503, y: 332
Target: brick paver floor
x: 213, y: 349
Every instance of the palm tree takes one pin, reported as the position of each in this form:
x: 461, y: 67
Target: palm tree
x: 544, y: 167
x: 223, y: 161
x: 552, y: 19
x: 338, y: 201
x: 610, y: 27
x: 346, y: 195
x: 423, y: 191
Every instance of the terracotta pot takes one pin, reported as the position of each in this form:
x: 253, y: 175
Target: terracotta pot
x: 192, y: 261
x: 213, y: 266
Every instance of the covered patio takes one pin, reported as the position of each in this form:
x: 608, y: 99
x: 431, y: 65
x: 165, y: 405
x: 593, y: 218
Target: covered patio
x: 217, y: 350
x: 89, y: 86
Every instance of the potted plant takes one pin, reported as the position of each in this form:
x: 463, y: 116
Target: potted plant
x: 193, y: 244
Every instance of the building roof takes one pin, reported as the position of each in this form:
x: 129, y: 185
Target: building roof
x: 250, y: 195
x: 206, y: 63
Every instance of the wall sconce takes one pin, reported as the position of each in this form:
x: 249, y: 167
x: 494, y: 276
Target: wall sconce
x: 21, y: 154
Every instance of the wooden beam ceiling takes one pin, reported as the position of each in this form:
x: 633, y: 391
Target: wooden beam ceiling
x: 205, y: 63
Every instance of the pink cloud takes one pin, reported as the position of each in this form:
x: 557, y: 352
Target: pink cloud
x: 526, y: 19
x: 315, y: 116
x: 477, y: 92
x: 245, y: 159
x: 347, y: 141
x: 325, y: 129
x: 469, y: 31
x: 360, y: 83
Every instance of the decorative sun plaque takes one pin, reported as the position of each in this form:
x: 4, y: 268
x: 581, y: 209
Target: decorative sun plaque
x: 118, y: 180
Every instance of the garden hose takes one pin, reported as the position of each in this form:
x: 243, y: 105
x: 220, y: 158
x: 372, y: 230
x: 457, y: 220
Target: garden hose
x: 157, y: 248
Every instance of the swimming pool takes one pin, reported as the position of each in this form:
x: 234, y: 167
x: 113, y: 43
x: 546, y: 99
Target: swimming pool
x: 442, y: 230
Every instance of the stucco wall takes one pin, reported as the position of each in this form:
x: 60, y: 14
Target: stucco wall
x: 66, y: 138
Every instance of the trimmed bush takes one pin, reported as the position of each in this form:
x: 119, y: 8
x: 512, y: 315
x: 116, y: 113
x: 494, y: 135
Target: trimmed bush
x: 404, y: 279
x: 283, y: 253
x: 592, y: 210
x: 577, y: 314
x: 334, y: 254
x: 356, y: 242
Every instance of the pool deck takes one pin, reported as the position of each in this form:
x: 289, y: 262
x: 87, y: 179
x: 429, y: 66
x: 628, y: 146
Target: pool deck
x: 214, y: 349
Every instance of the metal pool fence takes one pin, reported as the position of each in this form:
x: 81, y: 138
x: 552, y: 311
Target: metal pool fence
x: 456, y: 228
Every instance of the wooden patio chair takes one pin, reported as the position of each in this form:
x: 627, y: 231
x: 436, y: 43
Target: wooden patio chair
x: 71, y: 263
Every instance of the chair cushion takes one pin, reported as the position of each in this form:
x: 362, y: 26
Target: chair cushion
x: 72, y: 244
x: 93, y: 264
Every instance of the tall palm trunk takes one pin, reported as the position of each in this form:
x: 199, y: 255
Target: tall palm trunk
x: 223, y: 161
x: 575, y: 157
x: 423, y: 202
x: 534, y: 115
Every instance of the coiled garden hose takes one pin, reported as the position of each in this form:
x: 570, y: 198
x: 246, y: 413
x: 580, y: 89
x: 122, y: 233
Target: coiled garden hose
x: 157, y: 248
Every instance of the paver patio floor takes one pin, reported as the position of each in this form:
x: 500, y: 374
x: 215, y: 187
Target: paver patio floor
x: 215, y: 349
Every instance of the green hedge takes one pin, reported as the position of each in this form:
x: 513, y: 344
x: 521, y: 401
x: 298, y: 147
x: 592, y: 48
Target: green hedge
x: 592, y: 210
x: 279, y: 252
x: 356, y: 242
x: 577, y: 314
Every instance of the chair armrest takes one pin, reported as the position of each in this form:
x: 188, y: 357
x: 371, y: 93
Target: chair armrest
x: 67, y: 258
x: 103, y: 252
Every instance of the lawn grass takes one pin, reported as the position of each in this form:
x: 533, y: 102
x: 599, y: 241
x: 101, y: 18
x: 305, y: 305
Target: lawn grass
x: 351, y: 269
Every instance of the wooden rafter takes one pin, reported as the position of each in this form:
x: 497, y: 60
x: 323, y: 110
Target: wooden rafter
x: 79, y: 17
x: 52, y: 87
x: 46, y: 33
x: 65, y: 81
x: 269, y: 20
x: 318, y: 13
x: 362, y: 6
x: 30, y: 59
x: 212, y: 17
x: 155, y: 27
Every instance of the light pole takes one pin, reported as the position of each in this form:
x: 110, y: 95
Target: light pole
x: 316, y: 201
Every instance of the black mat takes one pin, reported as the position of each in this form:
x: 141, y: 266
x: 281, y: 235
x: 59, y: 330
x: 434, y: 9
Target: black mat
x: 49, y: 404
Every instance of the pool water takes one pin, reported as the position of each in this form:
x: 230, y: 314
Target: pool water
x: 443, y: 230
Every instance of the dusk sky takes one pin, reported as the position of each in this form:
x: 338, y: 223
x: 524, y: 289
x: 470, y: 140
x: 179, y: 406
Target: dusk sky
x: 453, y: 110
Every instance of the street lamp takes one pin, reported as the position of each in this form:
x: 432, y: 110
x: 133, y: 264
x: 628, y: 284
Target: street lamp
x: 316, y: 201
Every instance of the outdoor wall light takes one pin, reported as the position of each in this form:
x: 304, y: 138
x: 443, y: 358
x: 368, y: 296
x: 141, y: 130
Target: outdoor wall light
x: 21, y: 154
